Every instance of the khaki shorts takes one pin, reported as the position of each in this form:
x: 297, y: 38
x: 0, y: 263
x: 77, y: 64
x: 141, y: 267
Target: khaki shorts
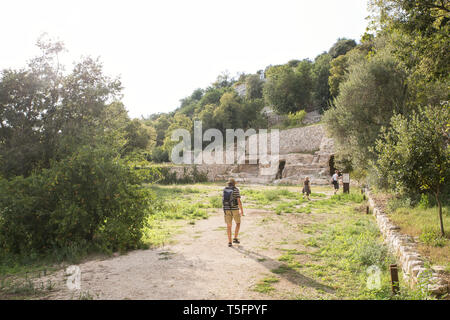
x: 230, y: 214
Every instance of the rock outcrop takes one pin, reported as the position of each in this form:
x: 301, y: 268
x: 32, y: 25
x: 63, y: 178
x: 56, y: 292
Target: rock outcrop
x: 303, y: 152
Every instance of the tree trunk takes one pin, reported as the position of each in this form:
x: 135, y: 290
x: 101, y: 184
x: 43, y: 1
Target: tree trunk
x: 440, y: 213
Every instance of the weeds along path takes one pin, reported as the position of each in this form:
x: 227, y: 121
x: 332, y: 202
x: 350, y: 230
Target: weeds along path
x: 277, y: 257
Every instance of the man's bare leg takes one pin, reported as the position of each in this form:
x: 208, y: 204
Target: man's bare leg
x: 236, y: 231
x: 229, y: 232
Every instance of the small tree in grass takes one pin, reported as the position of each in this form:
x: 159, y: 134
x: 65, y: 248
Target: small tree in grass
x: 414, y: 155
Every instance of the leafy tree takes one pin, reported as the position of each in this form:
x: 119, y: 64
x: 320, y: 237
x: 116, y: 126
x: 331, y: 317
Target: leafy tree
x: 180, y: 121
x: 254, y: 87
x: 341, y: 47
x: 159, y: 155
x: 161, y: 123
x: 228, y: 114
x: 414, y: 154
x: 320, y: 75
x: 207, y: 116
x: 223, y: 80
x: 21, y: 112
x: 45, y: 113
x: 211, y: 96
x: 66, y: 180
x: 420, y: 30
x: 189, y: 104
x: 373, y: 92
x: 293, y: 63
x: 139, y: 136
x: 339, y: 65
x: 116, y: 116
x: 304, y: 72
x: 89, y: 200
x: 251, y: 114
x: 338, y: 73
x: 287, y: 89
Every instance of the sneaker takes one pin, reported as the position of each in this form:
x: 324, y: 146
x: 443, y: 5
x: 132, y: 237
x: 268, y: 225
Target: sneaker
x: 230, y: 244
x: 235, y: 240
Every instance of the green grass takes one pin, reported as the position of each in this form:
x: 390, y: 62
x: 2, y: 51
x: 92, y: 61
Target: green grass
x: 265, y: 285
x: 345, y: 250
x: 424, y: 224
x: 23, y: 288
x: 282, y: 269
x: 215, y: 202
x: 269, y: 195
x: 343, y: 244
x: 173, y: 204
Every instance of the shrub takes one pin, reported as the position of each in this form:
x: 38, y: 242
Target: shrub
x: 424, y: 202
x: 370, y: 252
x: 88, y: 199
x: 432, y: 237
x: 170, y: 177
x: 399, y: 202
x: 159, y: 155
x: 296, y: 119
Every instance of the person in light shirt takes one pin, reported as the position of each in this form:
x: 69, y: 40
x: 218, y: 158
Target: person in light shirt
x: 335, y: 181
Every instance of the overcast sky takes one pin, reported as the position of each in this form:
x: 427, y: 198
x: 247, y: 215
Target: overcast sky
x: 163, y: 50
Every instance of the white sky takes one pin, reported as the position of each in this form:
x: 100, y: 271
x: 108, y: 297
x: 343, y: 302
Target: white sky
x: 163, y: 50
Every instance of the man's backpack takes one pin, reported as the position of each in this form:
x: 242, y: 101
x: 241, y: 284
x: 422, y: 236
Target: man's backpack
x: 228, y: 199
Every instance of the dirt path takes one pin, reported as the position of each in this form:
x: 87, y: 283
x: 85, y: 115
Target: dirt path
x: 200, y: 265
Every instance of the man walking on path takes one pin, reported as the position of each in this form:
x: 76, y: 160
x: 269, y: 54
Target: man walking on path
x: 232, y: 208
x: 335, y: 181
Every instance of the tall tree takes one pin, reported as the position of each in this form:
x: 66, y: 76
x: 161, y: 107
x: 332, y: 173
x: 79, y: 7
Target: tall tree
x: 414, y: 154
x: 254, y: 87
x: 341, y: 47
x: 373, y: 92
x: 420, y: 30
x: 289, y: 90
x: 45, y: 113
x: 320, y: 75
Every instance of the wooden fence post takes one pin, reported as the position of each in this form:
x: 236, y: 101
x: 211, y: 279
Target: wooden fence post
x: 394, y: 278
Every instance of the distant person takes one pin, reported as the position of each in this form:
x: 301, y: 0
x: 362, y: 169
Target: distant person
x: 335, y: 181
x: 232, y: 208
x: 306, y: 188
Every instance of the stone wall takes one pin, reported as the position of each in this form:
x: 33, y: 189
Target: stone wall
x: 405, y: 249
x: 305, y: 152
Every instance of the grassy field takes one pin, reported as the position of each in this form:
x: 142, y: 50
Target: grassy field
x: 341, y: 243
x: 327, y: 248
x: 174, y: 204
x: 421, y: 221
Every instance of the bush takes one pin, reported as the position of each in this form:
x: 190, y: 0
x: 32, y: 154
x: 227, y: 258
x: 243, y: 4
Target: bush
x: 159, y: 155
x: 424, y: 202
x: 90, y: 199
x: 369, y: 252
x: 170, y: 177
x: 432, y: 237
x: 296, y: 119
x: 399, y: 202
